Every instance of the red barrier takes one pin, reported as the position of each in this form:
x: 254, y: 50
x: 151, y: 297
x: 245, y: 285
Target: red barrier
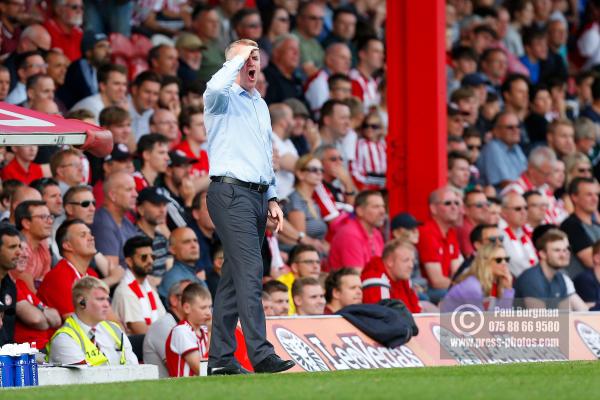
x: 331, y: 343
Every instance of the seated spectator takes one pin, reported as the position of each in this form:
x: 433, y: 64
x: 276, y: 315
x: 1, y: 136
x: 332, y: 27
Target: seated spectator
x: 301, y: 210
x: 282, y: 123
x: 10, y: 254
x: 80, y: 204
x: 51, y: 194
x: 153, y: 152
x: 502, y: 160
x: 77, y: 246
x: 476, y: 213
x: 340, y: 87
x: 64, y: 27
x: 152, y: 216
x: 145, y: 89
x: 206, y: 24
x: 156, y: 336
x: 369, y: 166
x: 29, y: 63
x: 191, y: 123
x: 111, y: 228
x: 487, y: 285
x: 276, y: 22
x: 342, y: 288
x: 541, y: 62
x: 586, y: 132
x: 304, y: 262
x: 267, y: 304
x: 438, y: 247
x: 517, y: 241
x: 537, y: 205
x: 388, y: 276
x: 359, y: 239
x: 112, y: 91
x: 207, y: 239
x: 370, y: 60
x: 187, y: 344
x: 581, y: 226
x: 67, y: 168
x: 135, y: 301
x: 587, y: 283
x: 81, y: 78
x: 34, y: 220
x: 180, y: 188
x: 118, y: 121
x: 338, y: 60
x: 343, y: 30
x: 281, y: 71
x: 545, y: 286
x: 183, y: 245
x: 163, y: 60
x: 21, y: 193
x: 86, y: 336
x: 481, y: 235
x: 459, y: 170
x: 164, y: 122
x: 22, y: 167
x: 38, y: 87
x: 561, y: 137
x: 119, y: 160
x: 189, y: 47
x: 536, y: 123
x: 309, y: 23
x: 279, y: 297
x: 309, y: 297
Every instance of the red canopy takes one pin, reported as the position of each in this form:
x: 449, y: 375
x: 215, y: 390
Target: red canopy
x: 20, y: 126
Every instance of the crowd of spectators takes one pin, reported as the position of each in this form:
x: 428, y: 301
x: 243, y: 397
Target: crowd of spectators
x: 517, y: 222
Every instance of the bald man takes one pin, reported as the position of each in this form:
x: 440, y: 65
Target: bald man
x: 183, y: 244
x: 517, y: 241
x: 23, y: 193
x: 438, y: 247
x: 111, y: 228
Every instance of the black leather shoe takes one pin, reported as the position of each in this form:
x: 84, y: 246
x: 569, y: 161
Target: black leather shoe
x: 273, y: 364
x: 229, y: 370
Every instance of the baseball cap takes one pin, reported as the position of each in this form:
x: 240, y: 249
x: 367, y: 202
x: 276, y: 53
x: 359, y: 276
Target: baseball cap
x: 298, y: 108
x: 189, y: 41
x: 90, y: 39
x: 405, y: 220
x: 474, y: 79
x: 120, y: 152
x: 153, y: 194
x: 178, y: 158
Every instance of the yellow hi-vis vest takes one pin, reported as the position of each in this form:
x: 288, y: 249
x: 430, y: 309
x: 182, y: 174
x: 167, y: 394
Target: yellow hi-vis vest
x: 93, y: 356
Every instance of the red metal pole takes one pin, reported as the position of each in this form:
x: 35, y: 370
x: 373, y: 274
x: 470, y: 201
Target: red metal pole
x: 416, y: 98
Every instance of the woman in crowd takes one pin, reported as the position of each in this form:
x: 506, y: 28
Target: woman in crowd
x: 487, y: 284
x: 276, y: 23
x: 301, y: 210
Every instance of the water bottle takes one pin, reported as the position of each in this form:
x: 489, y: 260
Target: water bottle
x: 7, y: 371
x: 22, y: 370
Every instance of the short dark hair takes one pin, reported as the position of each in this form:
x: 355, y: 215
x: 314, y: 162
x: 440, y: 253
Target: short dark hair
x: 329, y: 106
x: 23, y: 211
x: 300, y: 283
x: 239, y: 16
x: 201, y: 9
x: 575, y: 183
x: 334, y: 281
x: 510, y: 79
x: 154, y: 52
x: 342, y: 10
x: 21, y: 59
x: 362, y: 197
x: 113, y: 115
x: 462, y: 52
x: 454, y: 156
x: 185, y: 116
x: 170, y: 80
x: 193, y: 291
x: 105, y: 70
x: 476, y: 235
x: 488, y: 52
x: 146, y: 76
x: 596, y: 88
x: 274, y: 286
x: 531, y: 33
x: 134, y: 243
x: 364, y: 42
x: 62, y: 233
x: 34, y: 79
x: 148, y: 141
x: 335, y: 78
x: 530, y: 193
x: 299, y: 249
x: 41, y: 184
x: 7, y: 230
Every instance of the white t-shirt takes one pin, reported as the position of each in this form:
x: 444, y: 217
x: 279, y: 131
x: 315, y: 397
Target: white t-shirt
x: 154, y: 343
x: 285, y: 179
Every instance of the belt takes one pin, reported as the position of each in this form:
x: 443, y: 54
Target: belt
x: 257, y: 187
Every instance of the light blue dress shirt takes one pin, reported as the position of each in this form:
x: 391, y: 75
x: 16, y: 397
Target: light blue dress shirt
x: 239, y: 129
x: 498, y: 162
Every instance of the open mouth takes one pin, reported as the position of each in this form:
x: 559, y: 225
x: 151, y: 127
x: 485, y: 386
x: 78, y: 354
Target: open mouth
x: 252, y: 74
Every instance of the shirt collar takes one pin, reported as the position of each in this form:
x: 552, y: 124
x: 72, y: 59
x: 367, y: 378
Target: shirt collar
x: 86, y: 328
x: 237, y: 89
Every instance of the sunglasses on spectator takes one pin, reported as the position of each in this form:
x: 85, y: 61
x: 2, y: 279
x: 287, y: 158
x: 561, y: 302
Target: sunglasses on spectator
x: 335, y: 158
x: 84, y: 204
x: 502, y: 260
x: 313, y: 170
x: 496, y: 239
x: 449, y: 203
x: 144, y: 257
x: 371, y: 126
x: 479, y: 205
x: 519, y: 208
x: 584, y: 170
x: 473, y: 147
x: 283, y: 19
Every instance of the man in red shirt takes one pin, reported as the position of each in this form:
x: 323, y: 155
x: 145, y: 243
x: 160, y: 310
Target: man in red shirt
x: 64, y: 27
x: 153, y: 151
x: 388, y: 277
x: 476, y: 213
x: 342, y: 288
x: 76, y: 244
x: 438, y: 246
x: 22, y: 167
x: 360, y: 239
x: 191, y: 123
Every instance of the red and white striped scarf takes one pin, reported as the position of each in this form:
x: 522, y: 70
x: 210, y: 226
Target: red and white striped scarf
x: 147, y: 302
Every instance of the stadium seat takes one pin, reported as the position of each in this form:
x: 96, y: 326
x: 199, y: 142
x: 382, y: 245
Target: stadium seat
x: 137, y: 345
x: 120, y: 46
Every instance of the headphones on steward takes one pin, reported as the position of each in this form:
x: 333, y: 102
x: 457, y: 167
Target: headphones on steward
x: 82, y: 303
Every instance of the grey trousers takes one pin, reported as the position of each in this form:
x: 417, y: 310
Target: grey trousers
x: 240, y: 217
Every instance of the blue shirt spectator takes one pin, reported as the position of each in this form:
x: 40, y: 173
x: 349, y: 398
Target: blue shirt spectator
x: 588, y: 286
x: 179, y: 272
